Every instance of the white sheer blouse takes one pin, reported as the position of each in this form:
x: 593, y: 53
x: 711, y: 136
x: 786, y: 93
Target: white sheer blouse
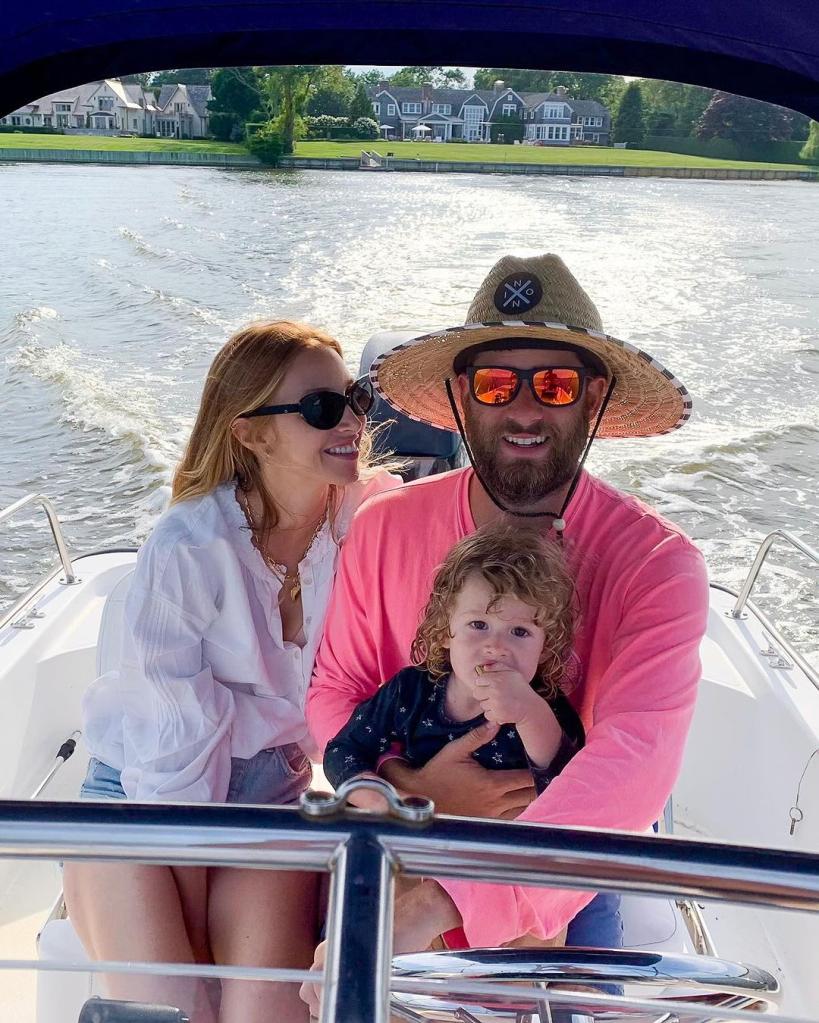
x: 205, y: 674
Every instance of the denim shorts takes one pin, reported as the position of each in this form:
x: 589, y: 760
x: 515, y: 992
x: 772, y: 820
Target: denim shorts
x: 276, y: 776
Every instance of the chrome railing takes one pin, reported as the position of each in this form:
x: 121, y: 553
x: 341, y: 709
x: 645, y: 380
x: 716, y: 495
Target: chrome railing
x: 778, y: 534
x: 59, y: 541
x: 725, y: 983
x: 364, y: 852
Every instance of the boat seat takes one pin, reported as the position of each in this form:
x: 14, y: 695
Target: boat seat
x: 654, y: 923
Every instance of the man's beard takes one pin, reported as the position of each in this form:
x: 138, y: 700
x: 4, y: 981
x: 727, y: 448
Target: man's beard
x: 525, y: 481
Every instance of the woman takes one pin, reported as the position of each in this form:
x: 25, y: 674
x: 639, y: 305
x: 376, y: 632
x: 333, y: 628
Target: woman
x: 222, y: 623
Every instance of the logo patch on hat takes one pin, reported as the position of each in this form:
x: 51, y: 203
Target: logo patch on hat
x: 517, y: 293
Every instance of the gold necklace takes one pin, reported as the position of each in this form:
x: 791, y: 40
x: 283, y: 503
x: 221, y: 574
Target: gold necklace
x: 289, y: 580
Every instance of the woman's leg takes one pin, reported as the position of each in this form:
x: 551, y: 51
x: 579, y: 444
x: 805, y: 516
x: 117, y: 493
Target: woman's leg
x: 144, y: 914
x: 262, y: 918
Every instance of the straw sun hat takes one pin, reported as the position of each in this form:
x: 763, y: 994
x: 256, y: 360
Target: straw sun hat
x: 533, y: 299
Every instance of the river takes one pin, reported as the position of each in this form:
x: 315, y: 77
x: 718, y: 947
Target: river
x: 118, y: 285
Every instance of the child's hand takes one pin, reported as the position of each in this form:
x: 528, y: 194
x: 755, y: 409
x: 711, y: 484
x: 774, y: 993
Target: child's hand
x: 506, y: 697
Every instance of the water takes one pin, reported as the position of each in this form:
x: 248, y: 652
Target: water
x: 119, y: 285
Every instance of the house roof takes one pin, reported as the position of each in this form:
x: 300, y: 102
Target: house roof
x: 128, y: 95
x: 457, y: 97
x: 588, y: 107
x: 197, y: 95
x: 165, y: 94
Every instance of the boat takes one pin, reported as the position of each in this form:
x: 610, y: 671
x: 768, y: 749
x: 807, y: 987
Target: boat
x: 719, y: 908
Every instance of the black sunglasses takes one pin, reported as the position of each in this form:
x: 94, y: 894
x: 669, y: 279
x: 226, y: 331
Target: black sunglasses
x: 324, y: 409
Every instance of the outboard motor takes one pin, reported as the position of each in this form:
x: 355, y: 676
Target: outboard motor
x: 427, y: 449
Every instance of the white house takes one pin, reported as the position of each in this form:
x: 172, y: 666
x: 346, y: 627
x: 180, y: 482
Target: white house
x: 112, y: 107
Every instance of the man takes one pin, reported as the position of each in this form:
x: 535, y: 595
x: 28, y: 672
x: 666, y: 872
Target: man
x: 529, y: 379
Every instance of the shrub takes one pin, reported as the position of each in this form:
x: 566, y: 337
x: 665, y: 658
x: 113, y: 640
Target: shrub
x: 810, y: 151
x: 325, y: 126
x: 365, y: 128
x: 27, y: 129
x: 266, y: 144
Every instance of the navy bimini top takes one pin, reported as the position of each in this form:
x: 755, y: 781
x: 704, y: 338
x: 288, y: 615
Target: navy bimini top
x: 408, y: 714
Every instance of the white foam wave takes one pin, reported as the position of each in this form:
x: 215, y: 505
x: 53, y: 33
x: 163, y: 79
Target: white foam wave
x: 95, y: 396
x: 141, y: 243
x: 29, y: 317
x: 190, y: 308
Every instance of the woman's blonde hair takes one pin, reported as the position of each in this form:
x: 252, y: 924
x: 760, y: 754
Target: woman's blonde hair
x: 245, y: 374
x: 515, y: 561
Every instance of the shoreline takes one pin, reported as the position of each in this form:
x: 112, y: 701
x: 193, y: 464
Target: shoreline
x: 393, y: 164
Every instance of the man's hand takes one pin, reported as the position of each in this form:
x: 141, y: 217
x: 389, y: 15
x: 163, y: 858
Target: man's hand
x: 458, y: 785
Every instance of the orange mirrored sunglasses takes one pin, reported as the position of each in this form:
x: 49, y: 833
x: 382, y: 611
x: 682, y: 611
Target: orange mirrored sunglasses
x: 555, y: 386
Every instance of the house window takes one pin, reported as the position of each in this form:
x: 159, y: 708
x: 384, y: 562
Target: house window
x: 377, y: 109
x: 62, y: 107
x: 598, y: 121
x: 473, y: 122
x: 442, y: 108
x: 410, y: 108
x: 390, y: 109
x: 509, y: 109
x: 595, y: 138
x: 16, y: 120
x: 179, y: 108
x: 105, y: 103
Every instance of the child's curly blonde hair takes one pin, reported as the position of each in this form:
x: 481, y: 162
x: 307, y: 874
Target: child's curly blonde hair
x: 515, y: 561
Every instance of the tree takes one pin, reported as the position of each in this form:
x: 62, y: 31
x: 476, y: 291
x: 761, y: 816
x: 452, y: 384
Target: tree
x: 333, y: 93
x: 628, y: 122
x: 371, y: 77
x: 361, y: 104
x: 810, y: 150
x: 236, y: 90
x: 143, y: 79
x: 287, y: 90
x: 522, y: 81
x: 670, y: 108
x: 606, y: 89
x: 744, y: 121
x: 182, y: 76
x: 439, y: 77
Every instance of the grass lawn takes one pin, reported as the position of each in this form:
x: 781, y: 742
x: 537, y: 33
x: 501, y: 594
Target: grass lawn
x: 479, y: 153
x: 22, y: 140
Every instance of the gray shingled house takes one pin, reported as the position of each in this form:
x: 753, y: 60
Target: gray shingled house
x: 550, y: 119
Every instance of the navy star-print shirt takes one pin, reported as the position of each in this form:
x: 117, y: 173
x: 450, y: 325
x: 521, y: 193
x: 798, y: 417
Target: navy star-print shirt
x: 408, y: 713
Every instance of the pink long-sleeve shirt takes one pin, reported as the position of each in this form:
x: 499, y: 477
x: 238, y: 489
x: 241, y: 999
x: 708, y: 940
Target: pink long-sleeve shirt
x: 643, y: 594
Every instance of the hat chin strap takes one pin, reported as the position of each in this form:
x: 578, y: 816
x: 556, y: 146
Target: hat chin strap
x: 558, y: 523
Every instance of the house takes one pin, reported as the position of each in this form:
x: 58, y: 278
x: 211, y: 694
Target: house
x: 112, y: 107
x: 405, y: 112
x: 183, y: 111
